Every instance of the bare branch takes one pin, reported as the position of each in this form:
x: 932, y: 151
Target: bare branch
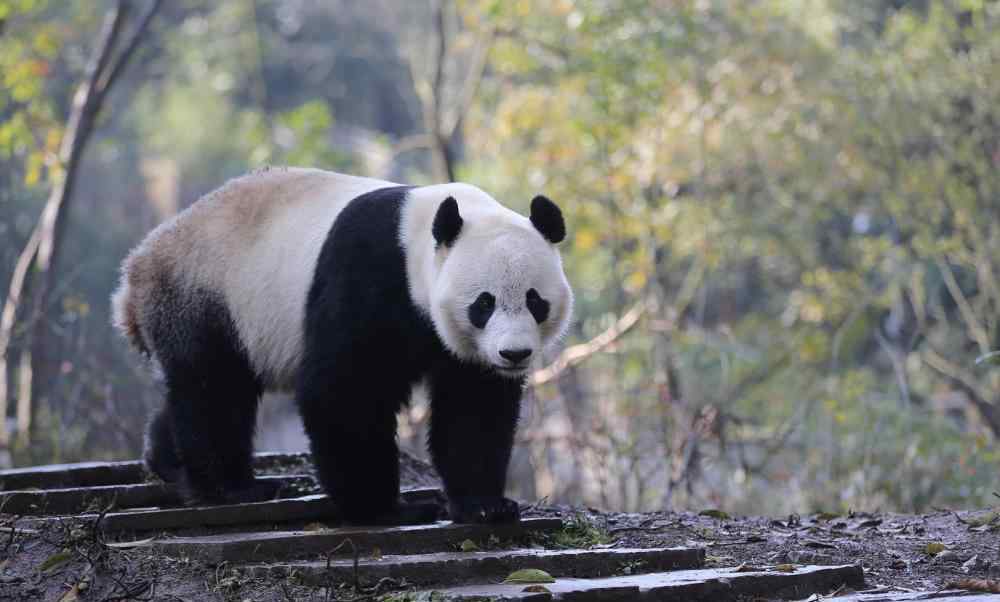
x: 976, y: 330
x: 111, y: 74
x: 977, y: 395
x: 572, y: 356
x: 471, y: 85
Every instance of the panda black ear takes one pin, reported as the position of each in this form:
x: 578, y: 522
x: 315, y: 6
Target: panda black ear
x: 548, y: 219
x: 447, y: 222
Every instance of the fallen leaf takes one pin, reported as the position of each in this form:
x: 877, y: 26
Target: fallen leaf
x: 55, y: 561
x: 468, y: 546
x: 934, y: 548
x: 529, y: 576
x: 314, y: 527
x: 376, y: 553
x: 826, y: 516
x: 537, y: 589
x: 785, y: 568
x: 124, y: 545
x: 714, y: 513
x: 990, y: 586
x: 72, y: 595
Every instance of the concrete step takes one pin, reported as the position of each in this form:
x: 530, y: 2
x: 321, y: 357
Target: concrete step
x: 937, y: 596
x: 287, y: 545
x: 449, y: 568
x: 306, y: 508
x: 715, y: 585
x: 90, y: 474
x: 73, y: 500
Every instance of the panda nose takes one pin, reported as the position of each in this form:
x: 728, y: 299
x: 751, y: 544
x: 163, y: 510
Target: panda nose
x: 515, y: 356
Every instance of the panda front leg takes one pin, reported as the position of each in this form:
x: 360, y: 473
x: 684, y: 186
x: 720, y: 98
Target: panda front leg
x: 474, y: 416
x: 350, y: 418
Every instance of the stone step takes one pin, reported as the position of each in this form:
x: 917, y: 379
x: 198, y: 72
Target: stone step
x: 306, y: 508
x: 288, y: 545
x: 449, y: 568
x: 90, y: 474
x: 937, y: 596
x: 715, y: 585
x: 73, y: 500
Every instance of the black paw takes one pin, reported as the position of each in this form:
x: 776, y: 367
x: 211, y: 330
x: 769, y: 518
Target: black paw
x: 484, y: 510
x: 257, y: 491
x: 406, y: 513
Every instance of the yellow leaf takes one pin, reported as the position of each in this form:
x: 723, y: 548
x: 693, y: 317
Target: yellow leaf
x: 934, y: 548
x: 468, y: 546
x: 529, y: 576
x: 55, y: 561
x: 585, y: 239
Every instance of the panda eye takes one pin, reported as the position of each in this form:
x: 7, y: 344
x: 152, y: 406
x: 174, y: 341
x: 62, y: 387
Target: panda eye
x: 538, y: 307
x: 481, y: 310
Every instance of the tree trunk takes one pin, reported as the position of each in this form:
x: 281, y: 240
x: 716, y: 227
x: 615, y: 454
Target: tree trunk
x: 44, y: 246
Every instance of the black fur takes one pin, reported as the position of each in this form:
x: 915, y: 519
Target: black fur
x: 548, y: 219
x: 482, y: 309
x: 538, y: 307
x: 447, y: 222
x: 366, y: 345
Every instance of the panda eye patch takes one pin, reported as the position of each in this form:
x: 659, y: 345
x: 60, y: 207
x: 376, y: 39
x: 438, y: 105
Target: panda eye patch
x: 481, y: 310
x: 538, y: 307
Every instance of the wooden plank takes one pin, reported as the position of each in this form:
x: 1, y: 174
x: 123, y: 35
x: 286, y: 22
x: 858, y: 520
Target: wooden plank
x: 90, y: 474
x: 717, y: 585
x: 299, y: 509
x: 74, y: 500
x: 286, y: 545
x: 450, y: 568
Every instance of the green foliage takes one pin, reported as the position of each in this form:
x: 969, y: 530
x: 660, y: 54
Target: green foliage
x: 579, y: 531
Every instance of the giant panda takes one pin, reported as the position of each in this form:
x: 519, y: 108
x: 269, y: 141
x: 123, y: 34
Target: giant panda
x: 349, y: 292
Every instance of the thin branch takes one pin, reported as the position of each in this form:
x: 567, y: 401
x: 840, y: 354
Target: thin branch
x: 470, y: 87
x: 108, y: 80
x: 572, y: 356
x: 968, y: 384
x: 976, y: 329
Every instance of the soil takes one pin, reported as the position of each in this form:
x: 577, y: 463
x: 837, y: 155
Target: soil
x: 922, y: 552
x: 71, y: 561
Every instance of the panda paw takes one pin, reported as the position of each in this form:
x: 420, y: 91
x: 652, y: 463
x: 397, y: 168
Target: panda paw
x: 257, y: 491
x: 484, y: 510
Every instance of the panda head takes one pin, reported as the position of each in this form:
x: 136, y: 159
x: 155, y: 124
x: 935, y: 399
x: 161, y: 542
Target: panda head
x: 499, y: 296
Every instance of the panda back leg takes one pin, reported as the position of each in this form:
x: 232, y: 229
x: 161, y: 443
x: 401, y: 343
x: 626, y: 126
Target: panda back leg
x: 160, y: 452
x: 212, y: 398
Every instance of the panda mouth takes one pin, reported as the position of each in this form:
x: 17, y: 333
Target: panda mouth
x: 511, y: 370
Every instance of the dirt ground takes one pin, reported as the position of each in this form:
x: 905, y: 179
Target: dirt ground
x: 69, y: 560
x: 920, y: 552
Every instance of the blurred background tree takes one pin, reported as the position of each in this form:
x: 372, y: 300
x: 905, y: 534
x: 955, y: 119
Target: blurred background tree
x: 784, y: 240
